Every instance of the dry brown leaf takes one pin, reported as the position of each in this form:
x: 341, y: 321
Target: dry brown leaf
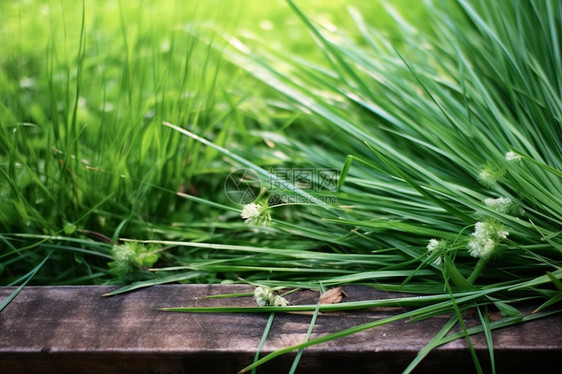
x: 332, y: 296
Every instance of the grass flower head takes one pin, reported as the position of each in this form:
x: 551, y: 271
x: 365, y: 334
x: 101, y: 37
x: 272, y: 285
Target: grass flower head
x: 437, y: 246
x: 265, y: 296
x: 131, y: 256
x: 485, y: 238
x: 279, y: 300
x: 490, y: 175
x: 256, y: 214
x: 503, y: 205
x: 512, y: 157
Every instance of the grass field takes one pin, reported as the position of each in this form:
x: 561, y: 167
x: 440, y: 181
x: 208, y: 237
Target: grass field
x: 414, y: 147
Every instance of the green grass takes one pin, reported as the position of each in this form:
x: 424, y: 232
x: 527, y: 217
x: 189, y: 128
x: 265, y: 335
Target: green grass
x: 84, y: 92
x: 120, y: 124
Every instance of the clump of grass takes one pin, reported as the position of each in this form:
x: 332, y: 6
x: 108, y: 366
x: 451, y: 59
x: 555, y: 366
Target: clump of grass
x: 454, y: 145
x: 448, y: 144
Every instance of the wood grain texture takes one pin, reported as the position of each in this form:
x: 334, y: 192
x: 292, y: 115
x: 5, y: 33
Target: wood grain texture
x: 75, y: 330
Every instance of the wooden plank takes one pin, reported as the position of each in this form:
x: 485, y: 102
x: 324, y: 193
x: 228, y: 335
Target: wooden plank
x: 73, y: 329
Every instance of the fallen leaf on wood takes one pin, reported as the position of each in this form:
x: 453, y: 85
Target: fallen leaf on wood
x: 332, y: 296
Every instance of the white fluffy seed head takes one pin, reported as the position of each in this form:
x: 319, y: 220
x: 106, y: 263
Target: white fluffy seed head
x: 256, y: 214
x: 485, y: 238
x: 512, y: 157
x: 265, y: 296
x: 250, y: 211
x: 436, y: 245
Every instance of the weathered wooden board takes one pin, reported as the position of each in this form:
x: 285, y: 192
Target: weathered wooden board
x: 75, y: 330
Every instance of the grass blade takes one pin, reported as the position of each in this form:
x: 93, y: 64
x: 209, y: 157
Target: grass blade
x: 26, y: 278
